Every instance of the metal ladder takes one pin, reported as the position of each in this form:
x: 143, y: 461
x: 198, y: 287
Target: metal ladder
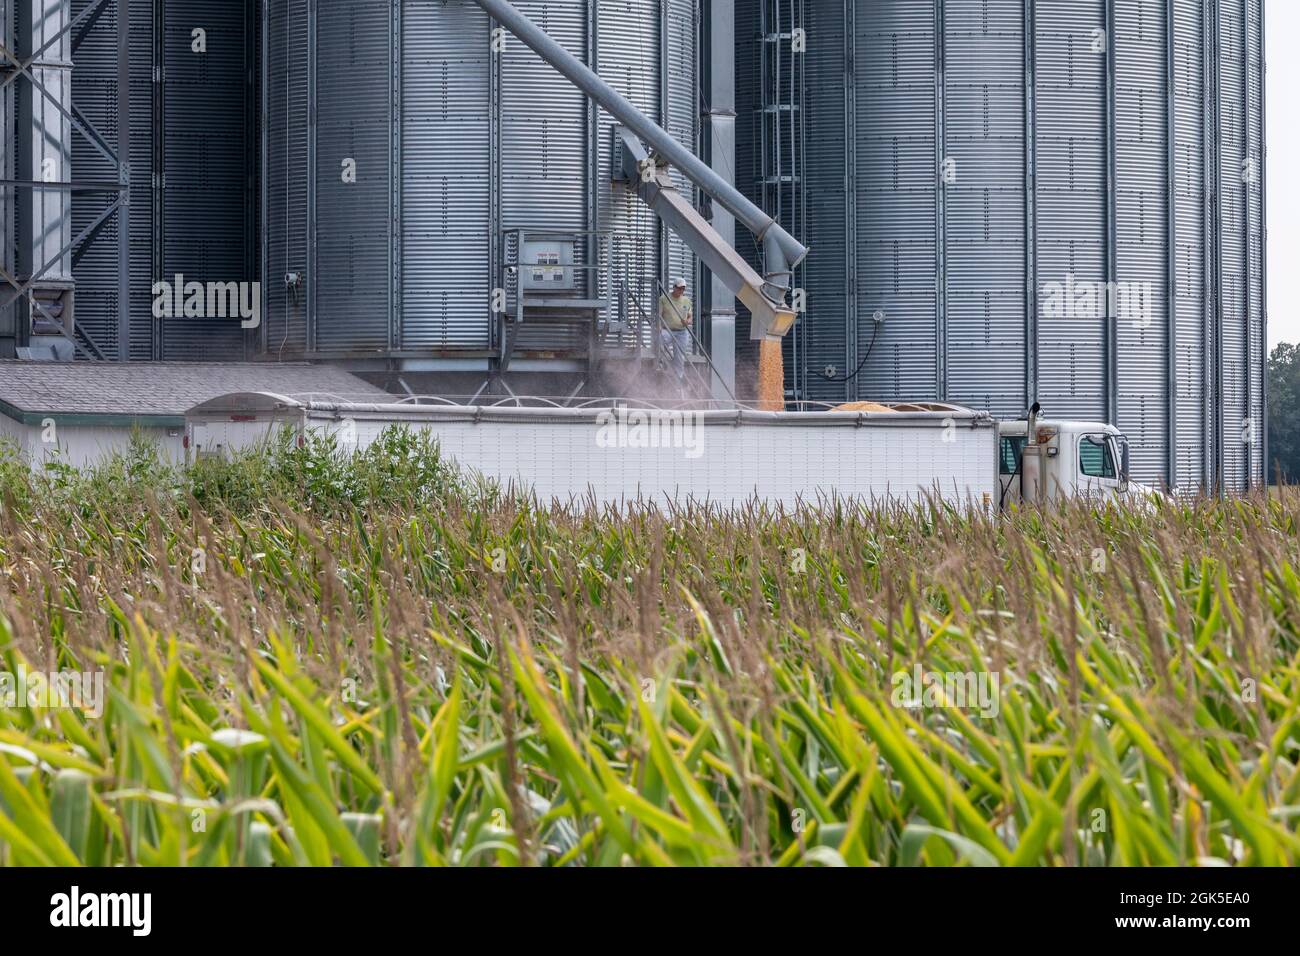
x: 782, y: 136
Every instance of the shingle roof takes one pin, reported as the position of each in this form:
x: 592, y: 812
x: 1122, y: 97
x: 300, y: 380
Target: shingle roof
x: 164, y: 389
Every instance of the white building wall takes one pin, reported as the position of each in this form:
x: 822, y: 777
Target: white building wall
x: 13, y: 434
x: 84, y: 446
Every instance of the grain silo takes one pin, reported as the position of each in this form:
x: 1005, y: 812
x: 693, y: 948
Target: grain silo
x: 1006, y: 200
x: 1020, y: 200
x: 415, y: 151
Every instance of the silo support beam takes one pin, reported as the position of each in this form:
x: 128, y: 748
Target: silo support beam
x: 781, y: 251
x: 48, y: 36
x: 42, y: 220
x: 77, y: 247
x: 50, y: 98
x: 89, y: 232
x: 24, y: 66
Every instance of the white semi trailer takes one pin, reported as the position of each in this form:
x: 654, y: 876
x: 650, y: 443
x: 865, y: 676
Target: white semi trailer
x: 616, y: 454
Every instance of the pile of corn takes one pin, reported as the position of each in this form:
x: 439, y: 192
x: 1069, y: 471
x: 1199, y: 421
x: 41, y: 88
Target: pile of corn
x: 863, y: 407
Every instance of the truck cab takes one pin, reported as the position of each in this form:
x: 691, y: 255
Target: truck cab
x: 1042, y: 461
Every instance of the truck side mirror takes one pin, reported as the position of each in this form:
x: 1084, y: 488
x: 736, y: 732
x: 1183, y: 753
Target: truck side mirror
x: 1124, y: 464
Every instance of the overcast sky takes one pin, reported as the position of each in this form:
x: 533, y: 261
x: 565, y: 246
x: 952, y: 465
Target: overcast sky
x: 1281, y: 29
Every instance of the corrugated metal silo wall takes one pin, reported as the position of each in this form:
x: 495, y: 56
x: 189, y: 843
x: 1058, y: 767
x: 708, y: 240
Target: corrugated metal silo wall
x: 353, y: 180
x: 1193, y: 438
x: 984, y: 195
x: 628, y: 63
x: 209, y: 217
x: 284, y: 180
x: 828, y: 272
x: 749, y: 170
x: 94, y: 92
x: 1143, y: 231
x: 681, y: 113
x: 447, y: 172
x: 1256, y: 269
x: 202, y: 224
x: 1015, y: 165
x: 896, y: 173
x: 7, y: 316
x: 1070, y: 205
x: 1241, y: 45
x: 476, y: 143
x: 545, y: 170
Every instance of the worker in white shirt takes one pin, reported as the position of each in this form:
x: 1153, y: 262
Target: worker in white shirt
x: 675, y: 319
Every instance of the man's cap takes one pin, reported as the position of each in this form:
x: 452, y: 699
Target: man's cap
x: 679, y: 283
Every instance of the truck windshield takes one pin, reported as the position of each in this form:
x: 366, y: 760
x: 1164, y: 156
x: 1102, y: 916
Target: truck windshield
x: 1095, y: 458
x: 1011, y: 447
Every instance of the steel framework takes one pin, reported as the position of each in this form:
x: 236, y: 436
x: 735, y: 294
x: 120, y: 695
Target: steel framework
x: 18, y: 69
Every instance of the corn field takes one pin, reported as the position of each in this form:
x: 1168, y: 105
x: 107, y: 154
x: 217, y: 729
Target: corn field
x: 310, y: 658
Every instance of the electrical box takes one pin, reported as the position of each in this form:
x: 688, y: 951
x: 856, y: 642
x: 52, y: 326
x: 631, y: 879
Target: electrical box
x: 547, y: 266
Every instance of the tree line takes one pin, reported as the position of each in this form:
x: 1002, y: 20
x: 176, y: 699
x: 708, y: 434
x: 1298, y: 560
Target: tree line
x: 1284, y: 413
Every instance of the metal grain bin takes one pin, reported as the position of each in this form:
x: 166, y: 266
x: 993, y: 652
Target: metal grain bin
x: 976, y: 169
x: 192, y: 154
x: 458, y: 137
